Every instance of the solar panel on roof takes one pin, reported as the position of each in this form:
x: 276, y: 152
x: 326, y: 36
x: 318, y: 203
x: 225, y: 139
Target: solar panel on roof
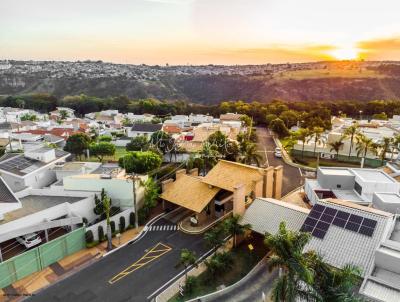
x: 355, y: 218
x: 330, y: 211
x: 319, y: 233
x: 310, y: 221
x: 364, y: 230
x: 339, y: 222
x: 342, y: 215
x: 306, y: 228
x: 326, y: 218
x: 369, y: 222
x: 322, y: 226
x: 318, y: 208
x: 315, y: 214
x: 351, y: 226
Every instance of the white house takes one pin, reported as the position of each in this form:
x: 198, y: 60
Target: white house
x: 143, y: 130
x: 31, y: 169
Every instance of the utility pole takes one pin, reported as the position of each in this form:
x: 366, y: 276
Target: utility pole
x: 134, y: 178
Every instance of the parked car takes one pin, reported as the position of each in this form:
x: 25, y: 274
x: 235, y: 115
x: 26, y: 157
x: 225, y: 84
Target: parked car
x: 278, y: 152
x: 29, y: 240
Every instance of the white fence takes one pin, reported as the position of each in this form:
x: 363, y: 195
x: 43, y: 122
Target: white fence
x: 103, y: 223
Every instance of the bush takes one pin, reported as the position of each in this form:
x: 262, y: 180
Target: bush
x: 112, y: 224
x: 132, y: 219
x: 190, y: 284
x: 101, y: 233
x: 89, y: 236
x: 121, y: 224
x: 143, y: 213
x: 105, y: 138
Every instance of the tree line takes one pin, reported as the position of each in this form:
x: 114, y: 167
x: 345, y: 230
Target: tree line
x: 289, y: 112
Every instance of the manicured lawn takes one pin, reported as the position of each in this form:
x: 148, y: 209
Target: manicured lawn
x: 312, y: 162
x: 119, y: 152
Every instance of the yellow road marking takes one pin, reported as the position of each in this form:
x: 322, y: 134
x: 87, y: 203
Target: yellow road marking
x: 159, y: 249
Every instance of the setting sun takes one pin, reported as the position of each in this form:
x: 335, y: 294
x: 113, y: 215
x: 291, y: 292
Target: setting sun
x: 345, y: 53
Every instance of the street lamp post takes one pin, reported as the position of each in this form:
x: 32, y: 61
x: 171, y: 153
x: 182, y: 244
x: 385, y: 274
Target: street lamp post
x: 134, y: 178
x: 360, y: 114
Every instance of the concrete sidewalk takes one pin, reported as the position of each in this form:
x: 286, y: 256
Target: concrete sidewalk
x: 59, y: 270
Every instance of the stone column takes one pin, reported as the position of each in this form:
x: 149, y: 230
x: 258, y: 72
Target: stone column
x: 179, y: 173
x: 258, y: 188
x: 194, y: 172
x: 165, y: 184
x: 278, y: 177
x: 268, y: 182
x: 239, y: 195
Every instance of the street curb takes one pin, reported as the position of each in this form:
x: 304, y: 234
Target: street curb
x: 236, y: 284
x: 286, y: 158
x: 205, y: 228
x: 142, y: 232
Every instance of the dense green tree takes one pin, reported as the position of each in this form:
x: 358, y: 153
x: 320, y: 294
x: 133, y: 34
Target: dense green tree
x: 215, y: 237
x: 105, y: 138
x: 162, y: 141
x: 138, y: 143
x: 102, y: 149
x: 363, y: 146
x: 351, y: 132
x: 140, y: 162
x: 77, y: 144
x: 316, y: 135
x: 278, y: 126
x: 187, y: 258
x: 290, y: 118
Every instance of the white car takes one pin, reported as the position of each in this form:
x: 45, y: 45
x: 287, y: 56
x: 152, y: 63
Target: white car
x: 278, y: 152
x: 29, y: 240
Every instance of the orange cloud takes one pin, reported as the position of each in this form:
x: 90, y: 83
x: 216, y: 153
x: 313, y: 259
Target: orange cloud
x: 380, y: 49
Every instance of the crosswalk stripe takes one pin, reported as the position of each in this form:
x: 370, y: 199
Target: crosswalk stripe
x: 169, y: 227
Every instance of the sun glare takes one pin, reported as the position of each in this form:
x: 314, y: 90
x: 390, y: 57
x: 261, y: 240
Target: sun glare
x: 345, y: 53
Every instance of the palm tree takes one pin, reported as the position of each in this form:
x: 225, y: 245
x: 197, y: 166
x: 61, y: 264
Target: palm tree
x: 295, y: 275
x: 385, y: 147
x: 250, y: 154
x: 331, y: 284
x: 210, y: 156
x: 302, y: 136
x: 364, y: 144
x: 107, y: 207
x: 396, y: 144
x: 215, y: 237
x: 336, y: 146
x: 316, y: 135
x: 351, y: 132
x: 187, y: 259
x: 233, y: 227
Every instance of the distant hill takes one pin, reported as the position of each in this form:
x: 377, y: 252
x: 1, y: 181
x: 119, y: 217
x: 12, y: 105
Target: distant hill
x: 330, y: 83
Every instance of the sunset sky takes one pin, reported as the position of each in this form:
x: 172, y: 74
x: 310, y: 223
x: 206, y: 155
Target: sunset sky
x: 200, y: 31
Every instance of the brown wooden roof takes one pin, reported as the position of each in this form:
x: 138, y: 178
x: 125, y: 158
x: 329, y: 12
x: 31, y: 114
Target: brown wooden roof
x: 227, y: 174
x: 189, y: 192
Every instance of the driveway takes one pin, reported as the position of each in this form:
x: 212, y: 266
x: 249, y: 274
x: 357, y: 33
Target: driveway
x: 291, y: 175
x: 132, y: 273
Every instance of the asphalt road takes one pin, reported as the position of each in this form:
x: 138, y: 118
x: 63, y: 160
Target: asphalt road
x: 266, y: 146
x: 161, y: 250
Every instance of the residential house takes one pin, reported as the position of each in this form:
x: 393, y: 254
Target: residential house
x: 143, y: 130
x: 368, y: 187
x: 30, y: 169
x: 343, y: 233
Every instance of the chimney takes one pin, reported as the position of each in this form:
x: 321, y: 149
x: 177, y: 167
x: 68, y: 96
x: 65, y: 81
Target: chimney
x: 239, y: 195
x: 194, y: 172
x: 179, y: 173
x: 278, y: 175
x: 166, y: 183
x: 268, y: 182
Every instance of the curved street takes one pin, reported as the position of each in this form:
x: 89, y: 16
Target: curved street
x: 266, y: 146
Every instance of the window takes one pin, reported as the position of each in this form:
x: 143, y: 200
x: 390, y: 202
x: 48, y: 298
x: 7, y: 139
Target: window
x: 338, y: 186
x: 358, y: 188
